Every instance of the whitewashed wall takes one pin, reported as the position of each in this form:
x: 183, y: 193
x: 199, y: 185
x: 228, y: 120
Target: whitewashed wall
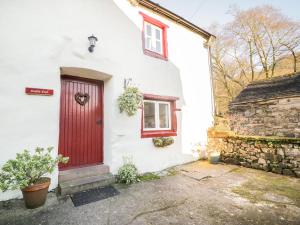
x: 39, y: 37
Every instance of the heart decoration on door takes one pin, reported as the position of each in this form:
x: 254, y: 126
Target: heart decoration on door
x: 81, y: 98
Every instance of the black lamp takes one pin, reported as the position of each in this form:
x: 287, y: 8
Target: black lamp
x: 92, y: 40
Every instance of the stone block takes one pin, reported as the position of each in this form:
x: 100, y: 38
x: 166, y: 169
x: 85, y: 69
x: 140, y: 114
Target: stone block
x: 288, y: 172
x: 265, y: 150
x: 243, y: 152
x: 232, y: 161
x: 277, y: 158
x: 255, y: 166
x: 297, y: 172
x: 277, y: 170
x: 267, y: 168
x: 245, y: 164
x: 269, y: 156
x: 254, y: 159
x: 262, y: 161
x: 280, y: 151
x: 244, y: 145
x: 293, y: 152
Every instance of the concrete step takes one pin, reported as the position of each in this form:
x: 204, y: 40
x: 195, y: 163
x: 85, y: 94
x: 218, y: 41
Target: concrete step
x: 85, y: 183
x: 77, y: 173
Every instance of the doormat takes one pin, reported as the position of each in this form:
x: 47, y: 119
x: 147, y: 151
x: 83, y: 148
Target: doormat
x: 93, y: 195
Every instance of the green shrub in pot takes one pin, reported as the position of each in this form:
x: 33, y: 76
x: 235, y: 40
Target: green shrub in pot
x: 27, y: 173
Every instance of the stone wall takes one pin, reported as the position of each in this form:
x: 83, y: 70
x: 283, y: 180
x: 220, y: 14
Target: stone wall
x: 278, y: 155
x: 276, y: 117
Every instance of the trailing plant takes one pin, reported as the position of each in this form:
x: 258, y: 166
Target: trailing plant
x: 130, y: 101
x: 28, y: 169
x: 163, y: 141
x: 128, y: 173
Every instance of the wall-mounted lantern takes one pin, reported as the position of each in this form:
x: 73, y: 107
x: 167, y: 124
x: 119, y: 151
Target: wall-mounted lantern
x: 92, y: 40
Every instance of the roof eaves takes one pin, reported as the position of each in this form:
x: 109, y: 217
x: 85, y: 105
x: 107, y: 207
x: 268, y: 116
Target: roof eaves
x: 174, y: 17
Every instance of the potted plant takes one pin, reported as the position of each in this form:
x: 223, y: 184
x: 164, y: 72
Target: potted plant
x: 27, y: 173
x: 161, y: 142
x: 130, y: 101
x: 214, y: 157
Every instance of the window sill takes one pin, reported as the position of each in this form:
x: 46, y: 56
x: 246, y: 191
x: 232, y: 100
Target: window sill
x: 155, y: 55
x: 158, y: 133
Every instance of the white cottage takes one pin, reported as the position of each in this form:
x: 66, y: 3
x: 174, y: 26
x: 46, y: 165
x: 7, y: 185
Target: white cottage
x: 58, y: 90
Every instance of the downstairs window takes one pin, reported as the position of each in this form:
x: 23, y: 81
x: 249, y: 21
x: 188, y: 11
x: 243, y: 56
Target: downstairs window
x: 159, y: 116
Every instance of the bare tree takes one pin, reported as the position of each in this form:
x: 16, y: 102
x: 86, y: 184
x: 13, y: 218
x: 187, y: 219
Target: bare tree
x: 291, y: 43
x: 250, y: 47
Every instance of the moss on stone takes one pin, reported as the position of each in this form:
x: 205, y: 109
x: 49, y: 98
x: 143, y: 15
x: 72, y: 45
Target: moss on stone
x: 172, y: 172
x: 149, y: 176
x: 256, y: 189
x: 258, y: 139
x: 266, y: 139
x: 236, y: 170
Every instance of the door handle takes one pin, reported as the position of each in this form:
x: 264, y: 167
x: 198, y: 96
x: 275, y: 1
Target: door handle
x: 99, y: 122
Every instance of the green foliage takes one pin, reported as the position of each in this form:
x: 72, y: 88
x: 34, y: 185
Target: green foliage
x: 163, y: 141
x: 128, y: 173
x: 130, y: 101
x: 28, y: 169
x: 270, y: 140
x: 149, y: 176
x: 172, y: 172
x: 260, y: 183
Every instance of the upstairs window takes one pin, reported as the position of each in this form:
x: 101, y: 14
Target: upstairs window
x: 154, y: 37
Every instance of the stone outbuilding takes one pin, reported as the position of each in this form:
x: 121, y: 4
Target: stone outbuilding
x: 264, y: 127
x: 268, y: 108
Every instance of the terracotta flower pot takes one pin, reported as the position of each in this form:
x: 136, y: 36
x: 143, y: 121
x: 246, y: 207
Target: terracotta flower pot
x: 35, y: 195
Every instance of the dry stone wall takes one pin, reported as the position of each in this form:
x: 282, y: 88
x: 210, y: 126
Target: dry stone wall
x: 280, y: 155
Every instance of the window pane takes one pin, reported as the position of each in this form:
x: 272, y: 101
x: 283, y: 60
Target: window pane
x: 164, y: 115
x: 158, y: 34
x: 148, y: 43
x: 148, y: 29
x: 158, y: 47
x: 149, y: 115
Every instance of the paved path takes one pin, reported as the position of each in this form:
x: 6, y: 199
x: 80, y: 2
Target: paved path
x: 199, y: 193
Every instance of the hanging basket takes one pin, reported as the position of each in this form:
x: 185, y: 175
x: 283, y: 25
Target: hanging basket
x: 130, y: 101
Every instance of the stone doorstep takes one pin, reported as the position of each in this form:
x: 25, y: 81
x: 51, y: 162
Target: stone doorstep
x: 85, y: 183
x: 71, y: 174
x: 84, y: 178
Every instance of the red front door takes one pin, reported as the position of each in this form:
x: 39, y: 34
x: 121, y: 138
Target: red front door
x: 81, y: 126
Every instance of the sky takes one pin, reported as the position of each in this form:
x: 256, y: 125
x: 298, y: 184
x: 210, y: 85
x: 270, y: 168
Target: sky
x: 206, y: 12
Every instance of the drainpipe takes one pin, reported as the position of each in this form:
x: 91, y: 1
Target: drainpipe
x: 208, y: 46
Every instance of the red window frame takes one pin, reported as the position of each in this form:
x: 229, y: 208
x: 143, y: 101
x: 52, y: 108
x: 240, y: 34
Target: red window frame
x: 162, y: 26
x: 161, y: 133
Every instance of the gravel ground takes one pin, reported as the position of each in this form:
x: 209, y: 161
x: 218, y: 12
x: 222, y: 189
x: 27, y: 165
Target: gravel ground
x: 196, y: 193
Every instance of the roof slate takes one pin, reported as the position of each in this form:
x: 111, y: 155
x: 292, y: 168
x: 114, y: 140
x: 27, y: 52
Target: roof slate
x: 278, y: 87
